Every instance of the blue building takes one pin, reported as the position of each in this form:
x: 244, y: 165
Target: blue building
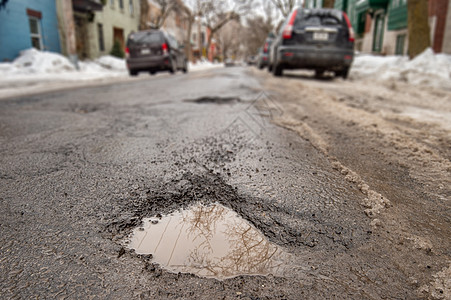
x: 28, y: 23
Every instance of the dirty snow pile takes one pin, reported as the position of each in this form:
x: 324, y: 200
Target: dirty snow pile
x: 35, y: 64
x: 426, y: 69
x: 202, y: 64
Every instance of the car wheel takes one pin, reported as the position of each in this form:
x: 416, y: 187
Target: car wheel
x: 269, y: 68
x: 173, y: 68
x: 345, y: 73
x: 152, y: 72
x: 319, y: 73
x: 277, y: 70
x: 133, y: 72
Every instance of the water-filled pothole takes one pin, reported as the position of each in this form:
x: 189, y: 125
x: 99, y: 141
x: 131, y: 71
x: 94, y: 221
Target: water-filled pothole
x: 209, y: 241
x: 214, y: 100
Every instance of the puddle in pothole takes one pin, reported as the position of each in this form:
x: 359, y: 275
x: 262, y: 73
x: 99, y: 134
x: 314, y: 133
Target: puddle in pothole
x: 214, y: 100
x: 209, y: 241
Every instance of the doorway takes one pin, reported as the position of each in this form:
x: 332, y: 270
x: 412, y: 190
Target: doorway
x: 118, y: 35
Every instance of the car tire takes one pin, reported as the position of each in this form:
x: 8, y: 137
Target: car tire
x: 133, y: 72
x: 319, y: 73
x: 269, y: 68
x: 343, y: 73
x: 152, y: 72
x: 277, y: 70
x: 173, y: 68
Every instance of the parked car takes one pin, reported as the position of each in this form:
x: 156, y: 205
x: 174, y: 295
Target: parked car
x: 315, y: 39
x: 228, y: 62
x: 154, y: 50
x: 251, y: 60
x: 262, y: 60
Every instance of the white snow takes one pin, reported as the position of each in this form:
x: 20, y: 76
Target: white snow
x: 35, y: 70
x: 39, y: 71
x: 427, y: 69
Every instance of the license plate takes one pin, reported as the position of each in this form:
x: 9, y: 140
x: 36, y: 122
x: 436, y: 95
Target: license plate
x: 320, y: 36
x: 145, y: 51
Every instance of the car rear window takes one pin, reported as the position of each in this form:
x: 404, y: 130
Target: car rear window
x: 307, y: 18
x: 145, y: 37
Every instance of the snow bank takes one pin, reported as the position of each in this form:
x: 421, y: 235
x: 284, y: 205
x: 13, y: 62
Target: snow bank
x: 38, y: 65
x: 112, y: 63
x: 426, y: 69
x: 32, y: 61
x: 203, y: 65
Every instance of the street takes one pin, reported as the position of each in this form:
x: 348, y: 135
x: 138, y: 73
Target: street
x: 341, y: 175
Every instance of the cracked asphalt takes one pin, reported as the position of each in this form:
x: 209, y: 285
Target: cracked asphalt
x: 80, y: 168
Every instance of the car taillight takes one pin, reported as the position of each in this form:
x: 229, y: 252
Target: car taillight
x: 288, y: 30
x: 164, y: 48
x: 265, y: 48
x: 351, y: 30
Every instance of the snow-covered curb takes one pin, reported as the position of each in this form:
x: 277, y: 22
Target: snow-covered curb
x: 39, y: 71
x: 427, y: 69
x: 35, y: 70
x: 34, y: 64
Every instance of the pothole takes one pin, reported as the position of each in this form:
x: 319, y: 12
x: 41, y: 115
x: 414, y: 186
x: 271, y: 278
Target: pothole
x: 214, y: 100
x: 208, y: 241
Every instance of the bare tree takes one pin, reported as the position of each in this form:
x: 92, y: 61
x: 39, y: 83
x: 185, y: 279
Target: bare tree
x: 229, y: 39
x: 217, y: 13
x: 284, y: 6
x: 256, y: 32
x: 166, y: 6
x: 143, y: 20
x: 164, y: 9
x: 418, y: 27
x: 190, y: 15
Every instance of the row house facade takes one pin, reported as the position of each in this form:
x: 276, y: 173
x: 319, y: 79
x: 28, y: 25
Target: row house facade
x: 83, y: 29
x: 25, y: 24
x: 381, y: 25
x: 96, y: 25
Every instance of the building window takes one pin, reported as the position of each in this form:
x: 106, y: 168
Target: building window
x: 121, y: 4
x: 100, y: 35
x: 132, y: 9
x: 35, y: 32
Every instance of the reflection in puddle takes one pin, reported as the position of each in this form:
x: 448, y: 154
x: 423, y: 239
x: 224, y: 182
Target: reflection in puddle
x: 209, y: 241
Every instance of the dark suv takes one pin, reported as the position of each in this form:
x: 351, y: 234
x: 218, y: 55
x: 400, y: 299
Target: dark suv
x: 154, y: 50
x: 315, y: 39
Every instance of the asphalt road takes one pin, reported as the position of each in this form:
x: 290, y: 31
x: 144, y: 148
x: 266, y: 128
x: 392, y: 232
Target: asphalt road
x: 80, y: 168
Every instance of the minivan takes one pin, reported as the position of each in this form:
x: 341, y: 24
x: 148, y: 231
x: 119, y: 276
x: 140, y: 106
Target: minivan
x: 154, y: 50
